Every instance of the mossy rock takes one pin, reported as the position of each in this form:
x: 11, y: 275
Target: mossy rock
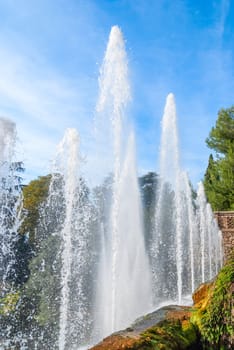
x: 165, y: 335
x: 214, y: 313
x: 208, y: 322
x: 172, y: 335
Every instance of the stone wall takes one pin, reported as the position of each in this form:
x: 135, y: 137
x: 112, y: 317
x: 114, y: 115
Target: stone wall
x: 226, y: 224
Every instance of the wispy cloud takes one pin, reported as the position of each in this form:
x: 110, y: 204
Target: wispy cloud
x: 49, y: 52
x: 42, y: 104
x: 222, y: 15
x: 37, y: 91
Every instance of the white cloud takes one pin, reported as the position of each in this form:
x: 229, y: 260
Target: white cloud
x: 48, y: 76
x: 43, y: 104
x: 41, y: 91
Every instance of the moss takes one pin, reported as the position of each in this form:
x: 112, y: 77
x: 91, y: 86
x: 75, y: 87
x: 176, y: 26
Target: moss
x: 200, y: 307
x: 190, y: 332
x: 214, y: 315
x: 8, y: 303
x: 172, y: 335
x: 211, y: 319
x: 165, y: 335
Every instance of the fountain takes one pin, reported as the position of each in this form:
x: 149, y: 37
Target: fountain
x: 10, y: 202
x: 210, y: 244
x: 91, y: 273
x: 9, y: 194
x: 123, y: 262
x: 102, y: 255
x: 68, y: 188
x: 182, y: 247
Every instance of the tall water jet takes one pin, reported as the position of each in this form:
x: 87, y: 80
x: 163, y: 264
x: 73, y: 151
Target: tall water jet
x: 67, y: 194
x: 9, y: 200
x: 193, y: 233
x: 182, y: 253
x: 114, y: 96
x: 167, y: 244
x: 132, y: 261
x: 132, y: 265
x: 210, y: 245
x: 114, y: 93
x: 116, y: 303
x: 68, y: 149
x: 10, y: 203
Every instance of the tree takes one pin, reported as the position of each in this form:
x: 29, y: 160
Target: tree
x: 34, y: 194
x: 10, y: 199
x: 219, y: 176
x: 221, y: 137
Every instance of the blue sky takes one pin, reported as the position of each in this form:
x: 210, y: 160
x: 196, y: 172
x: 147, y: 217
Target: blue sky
x: 51, y: 52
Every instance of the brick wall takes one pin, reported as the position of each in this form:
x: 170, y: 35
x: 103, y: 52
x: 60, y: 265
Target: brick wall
x: 226, y: 224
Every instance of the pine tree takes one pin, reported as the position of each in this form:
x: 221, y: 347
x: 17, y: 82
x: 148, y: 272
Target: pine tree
x: 219, y: 176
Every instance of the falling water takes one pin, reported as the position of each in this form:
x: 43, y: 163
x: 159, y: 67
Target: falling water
x: 201, y: 200
x: 69, y: 148
x: 114, y: 96
x: 123, y: 246
x: 186, y: 238
x: 132, y: 262
x: 9, y: 199
x: 210, y: 247
x: 10, y: 205
x: 169, y: 192
x: 192, y: 228
x: 67, y: 188
x: 101, y: 273
x: 132, y: 266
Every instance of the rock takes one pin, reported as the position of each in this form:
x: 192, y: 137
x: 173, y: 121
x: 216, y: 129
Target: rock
x: 202, y: 294
x: 181, y: 328
x: 166, y: 328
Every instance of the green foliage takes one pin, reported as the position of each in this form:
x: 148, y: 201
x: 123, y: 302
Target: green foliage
x: 219, y: 176
x: 218, y: 183
x: 34, y: 195
x: 43, y: 285
x: 37, y: 268
x: 216, y: 322
x: 221, y: 137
